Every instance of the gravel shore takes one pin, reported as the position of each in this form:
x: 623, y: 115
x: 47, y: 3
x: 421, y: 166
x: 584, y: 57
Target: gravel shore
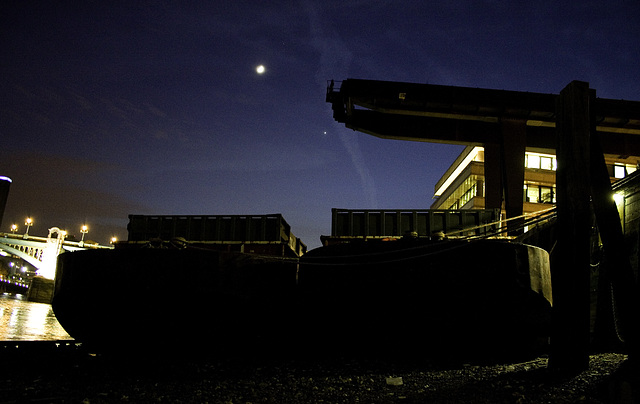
x: 69, y: 373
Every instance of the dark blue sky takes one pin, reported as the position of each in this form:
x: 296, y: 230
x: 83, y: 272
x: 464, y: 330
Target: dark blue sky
x: 117, y: 108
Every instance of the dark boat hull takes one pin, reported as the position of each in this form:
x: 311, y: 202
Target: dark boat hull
x: 150, y: 298
x: 466, y: 297
x: 375, y: 298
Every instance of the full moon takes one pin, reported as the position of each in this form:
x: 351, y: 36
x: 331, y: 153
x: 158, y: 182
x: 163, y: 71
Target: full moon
x: 260, y: 69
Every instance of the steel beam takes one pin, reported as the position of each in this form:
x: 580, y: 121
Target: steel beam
x: 471, y: 116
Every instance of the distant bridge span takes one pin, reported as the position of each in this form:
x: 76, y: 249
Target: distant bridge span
x: 32, y: 248
x: 29, y: 251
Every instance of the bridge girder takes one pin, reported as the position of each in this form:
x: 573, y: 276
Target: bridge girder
x: 37, y: 245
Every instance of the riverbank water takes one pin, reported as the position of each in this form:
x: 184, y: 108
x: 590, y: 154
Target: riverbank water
x: 22, y: 320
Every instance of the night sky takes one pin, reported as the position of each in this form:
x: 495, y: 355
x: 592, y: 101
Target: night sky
x: 111, y: 108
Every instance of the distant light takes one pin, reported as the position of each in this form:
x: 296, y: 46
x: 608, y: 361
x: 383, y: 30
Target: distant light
x: 28, y: 222
x: 260, y: 69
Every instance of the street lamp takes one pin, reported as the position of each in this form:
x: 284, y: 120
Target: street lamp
x: 14, y: 228
x: 113, y: 240
x: 28, y: 223
x: 84, y: 230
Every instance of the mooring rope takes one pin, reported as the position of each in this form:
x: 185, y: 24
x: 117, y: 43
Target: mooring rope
x: 504, y: 221
x: 536, y: 217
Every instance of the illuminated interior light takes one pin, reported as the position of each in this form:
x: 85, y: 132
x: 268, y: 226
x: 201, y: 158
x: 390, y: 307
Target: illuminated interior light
x: 619, y: 199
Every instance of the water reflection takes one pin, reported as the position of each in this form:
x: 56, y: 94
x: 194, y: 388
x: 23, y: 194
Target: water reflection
x: 21, y: 320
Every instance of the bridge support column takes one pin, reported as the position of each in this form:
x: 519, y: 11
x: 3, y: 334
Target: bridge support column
x: 514, y: 141
x: 504, y: 171
x: 493, y: 176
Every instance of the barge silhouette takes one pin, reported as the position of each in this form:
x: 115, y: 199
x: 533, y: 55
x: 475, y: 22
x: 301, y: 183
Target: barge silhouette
x: 372, y: 296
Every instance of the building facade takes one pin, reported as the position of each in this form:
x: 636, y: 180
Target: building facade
x: 463, y: 184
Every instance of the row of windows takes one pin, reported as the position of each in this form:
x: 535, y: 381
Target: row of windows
x: 463, y: 193
x: 540, y: 162
x: 532, y: 194
x: 539, y: 194
x: 466, y: 197
x: 619, y: 171
x: 548, y: 163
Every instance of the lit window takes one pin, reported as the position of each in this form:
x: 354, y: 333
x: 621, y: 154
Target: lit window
x: 618, y: 171
x: 533, y: 194
x: 546, y: 195
x: 533, y: 161
x: 546, y: 163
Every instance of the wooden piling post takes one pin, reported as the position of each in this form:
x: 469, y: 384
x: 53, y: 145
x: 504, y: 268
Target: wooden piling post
x: 570, y: 257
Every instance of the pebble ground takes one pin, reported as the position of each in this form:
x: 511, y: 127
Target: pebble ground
x: 70, y: 373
